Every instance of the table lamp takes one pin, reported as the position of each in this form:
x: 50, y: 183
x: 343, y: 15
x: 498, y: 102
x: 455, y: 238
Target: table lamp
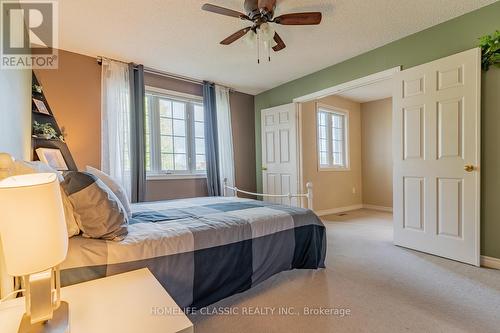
x: 34, y: 239
x: 6, y: 165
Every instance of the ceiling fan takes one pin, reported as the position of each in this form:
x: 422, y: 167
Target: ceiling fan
x: 261, y: 14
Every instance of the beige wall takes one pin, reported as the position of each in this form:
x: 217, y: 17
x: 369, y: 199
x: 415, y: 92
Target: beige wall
x: 74, y: 94
x: 158, y: 190
x: 376, y: 148
x: 243, y: 123
x: 15, y: 113
x: 332, y: 189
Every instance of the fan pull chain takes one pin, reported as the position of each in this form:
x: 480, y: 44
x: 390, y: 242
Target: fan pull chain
x: 269, y: 51
x: 258, y: 48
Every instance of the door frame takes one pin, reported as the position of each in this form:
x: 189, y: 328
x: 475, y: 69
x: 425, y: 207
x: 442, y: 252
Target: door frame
x: 387, y: 74
x: 384, y: 75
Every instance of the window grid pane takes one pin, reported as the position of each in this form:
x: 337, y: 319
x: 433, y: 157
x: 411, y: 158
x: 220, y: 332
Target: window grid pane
x: 201, y: 164
x: 175, y: 135
x: 331, y: 139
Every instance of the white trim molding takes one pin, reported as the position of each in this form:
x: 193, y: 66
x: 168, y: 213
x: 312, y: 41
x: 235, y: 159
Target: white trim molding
x: 361, y: 82
x: 338, y: 210
x: 351, y: 208
x: 173, y: 94
x: 379, y: 208
x: 490, y: 262
x: 173, y: 176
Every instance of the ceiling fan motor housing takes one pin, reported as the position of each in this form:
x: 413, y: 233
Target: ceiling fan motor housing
x: 255, y: 13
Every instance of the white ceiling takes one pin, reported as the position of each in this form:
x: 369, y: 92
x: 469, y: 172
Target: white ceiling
x: 370, y: 92
x: 178, y: 37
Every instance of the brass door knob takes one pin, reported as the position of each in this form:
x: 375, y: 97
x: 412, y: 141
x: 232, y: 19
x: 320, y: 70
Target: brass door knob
x: 469, y: 167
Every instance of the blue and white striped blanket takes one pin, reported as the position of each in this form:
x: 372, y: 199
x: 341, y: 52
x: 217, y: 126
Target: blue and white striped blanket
x: 204, y: 249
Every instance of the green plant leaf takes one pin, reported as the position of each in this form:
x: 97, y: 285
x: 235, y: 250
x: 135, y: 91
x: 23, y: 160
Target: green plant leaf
x: 490, y: 49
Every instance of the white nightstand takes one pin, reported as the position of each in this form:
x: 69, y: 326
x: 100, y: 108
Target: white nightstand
x: 122, y: 303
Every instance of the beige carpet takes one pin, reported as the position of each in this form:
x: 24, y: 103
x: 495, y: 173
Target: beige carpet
x: 386, y: 288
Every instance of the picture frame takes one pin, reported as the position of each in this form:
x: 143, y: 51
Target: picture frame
x: 41, y: 107
x: 53, y: 157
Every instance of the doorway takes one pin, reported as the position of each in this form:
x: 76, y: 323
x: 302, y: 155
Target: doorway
x: 435, y: 152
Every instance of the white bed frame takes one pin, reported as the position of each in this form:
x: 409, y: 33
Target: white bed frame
x: 289, y: 196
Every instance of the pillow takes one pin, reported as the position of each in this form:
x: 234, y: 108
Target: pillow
x: 98, y: 212
x: 114, y: 186
x: 69, y: 213
x: 24, y: 167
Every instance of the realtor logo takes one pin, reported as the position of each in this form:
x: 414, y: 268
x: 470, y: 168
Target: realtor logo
x: 29, y: 34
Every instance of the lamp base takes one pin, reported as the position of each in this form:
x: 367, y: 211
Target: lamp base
x: 58, y: 324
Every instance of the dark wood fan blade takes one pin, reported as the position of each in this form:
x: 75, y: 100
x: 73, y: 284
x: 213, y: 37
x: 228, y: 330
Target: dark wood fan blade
x: 267, y: 5
x: 223, y: 11
x: 234, y: 37
x: 280, y: 44
x: 299, y: 19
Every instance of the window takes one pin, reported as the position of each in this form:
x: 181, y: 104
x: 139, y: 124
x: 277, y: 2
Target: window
x: 175, y: 134
x: 332, y: 138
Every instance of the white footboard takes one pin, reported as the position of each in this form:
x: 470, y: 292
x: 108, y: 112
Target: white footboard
x: 289, y: 196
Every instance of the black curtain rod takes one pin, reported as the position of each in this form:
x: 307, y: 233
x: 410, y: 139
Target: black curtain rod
x: 165, y: 74
x: 99, y: 61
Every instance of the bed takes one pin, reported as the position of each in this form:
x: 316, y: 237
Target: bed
x: 204, y: 249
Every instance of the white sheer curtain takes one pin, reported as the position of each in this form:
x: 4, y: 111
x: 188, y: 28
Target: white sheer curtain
x: 225, y: 135
x: 115, y: 122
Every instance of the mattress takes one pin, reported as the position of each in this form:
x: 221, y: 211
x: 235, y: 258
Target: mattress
x: 204, y: 249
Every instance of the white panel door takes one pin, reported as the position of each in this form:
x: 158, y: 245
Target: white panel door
x: 279, y: 152
x: 436, y: 121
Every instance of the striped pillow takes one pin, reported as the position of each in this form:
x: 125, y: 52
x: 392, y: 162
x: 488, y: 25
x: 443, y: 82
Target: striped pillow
x: 98, y: 212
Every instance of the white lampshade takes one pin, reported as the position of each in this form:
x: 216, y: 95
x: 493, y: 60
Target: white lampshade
x: 32, y: 226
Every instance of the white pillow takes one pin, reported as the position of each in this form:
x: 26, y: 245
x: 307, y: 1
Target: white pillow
x: 25, y: 167
x: 114, y: 186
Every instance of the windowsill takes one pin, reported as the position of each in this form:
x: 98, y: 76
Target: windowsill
x: 328, y: 169
x: 154, y: 177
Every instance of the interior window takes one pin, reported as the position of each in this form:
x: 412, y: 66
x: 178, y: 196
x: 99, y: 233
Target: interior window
x: 332, y: 138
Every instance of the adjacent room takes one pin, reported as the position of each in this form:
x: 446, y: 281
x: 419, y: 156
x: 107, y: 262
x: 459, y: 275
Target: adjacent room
x: 249, y: 166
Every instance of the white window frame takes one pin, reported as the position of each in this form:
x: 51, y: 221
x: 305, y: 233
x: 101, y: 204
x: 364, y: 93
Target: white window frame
x: 333, y: 110
x: 156, y: 173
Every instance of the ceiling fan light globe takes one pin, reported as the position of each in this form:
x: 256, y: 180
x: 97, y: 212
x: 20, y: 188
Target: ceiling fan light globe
x: 250, y: 38
x: 266, y: 32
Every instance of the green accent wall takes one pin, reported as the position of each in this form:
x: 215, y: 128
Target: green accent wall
x: 442, y: 40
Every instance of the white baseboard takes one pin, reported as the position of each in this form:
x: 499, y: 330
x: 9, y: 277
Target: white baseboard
x: 338, y: 210
x: 490, y: 262
x: 379, y: 208
x: 350, y: 208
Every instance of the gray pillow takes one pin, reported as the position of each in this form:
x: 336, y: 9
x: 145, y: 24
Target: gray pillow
x: 25, y: 167
x: 98, y: 212
x: 114, y: 186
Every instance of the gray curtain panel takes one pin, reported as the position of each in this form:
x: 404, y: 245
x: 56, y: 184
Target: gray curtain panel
x: 138, y: 153
x: 211, y: 144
